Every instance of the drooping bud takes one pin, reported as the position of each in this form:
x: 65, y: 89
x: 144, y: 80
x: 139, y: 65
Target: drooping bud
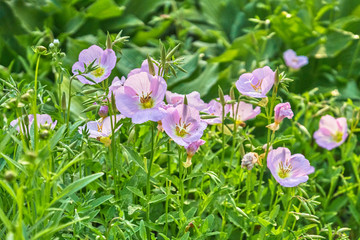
x: 103, y: 111
x: 249, y: 160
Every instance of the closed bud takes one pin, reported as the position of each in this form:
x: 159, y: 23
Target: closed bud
x: 9, y: 175
x: 277, y: 77
x: 40, y: 50
x: 62, y: 54
x: 151, y: 66
x: 221, y: 96
x: 249, y: 160
x: 63, y: 101
x: 26, y: 96
x: 51, y: 45
x: 30, y: 156
x: 44, y: 134
x: 108, y: 41
x: 113, y: 103
x: 232, y: 93
x: 56, y: 42
x: 103, y: 111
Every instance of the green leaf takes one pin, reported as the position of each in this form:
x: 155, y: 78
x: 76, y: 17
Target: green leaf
x: 75, y: 186
x: 15, y: 163
x: 203, y: 83
x: 137, y: 192
x: 142, y: 230
x: 103, y: 9
x: 57, y: 136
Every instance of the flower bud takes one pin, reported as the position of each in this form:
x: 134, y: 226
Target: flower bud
x: 63, y: 101
x: 51, y: 45
x: 40, y: 50
x: 44, y: 134
x: 103, y: 111
x: 9, y: 175
x: 56, y: 42
x: 249, y: 160
x: 62, y: 54
x: 26, y: 96
x: 221, y: 96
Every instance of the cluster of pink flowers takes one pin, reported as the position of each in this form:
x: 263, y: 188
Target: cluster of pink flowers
x: 143, y: 96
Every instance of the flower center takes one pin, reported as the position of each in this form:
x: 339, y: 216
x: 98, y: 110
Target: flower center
x: 337, y: 137
x: 98, y: 72
x: 146, y: 101
x: 181, y: 128
x: 257, y: 86
x: 284, y: 171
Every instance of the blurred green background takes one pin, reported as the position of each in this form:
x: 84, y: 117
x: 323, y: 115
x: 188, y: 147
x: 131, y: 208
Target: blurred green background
x: 220, y: 38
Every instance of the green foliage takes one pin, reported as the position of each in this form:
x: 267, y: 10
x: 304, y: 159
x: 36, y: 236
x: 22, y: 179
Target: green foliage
x: 69, y: 186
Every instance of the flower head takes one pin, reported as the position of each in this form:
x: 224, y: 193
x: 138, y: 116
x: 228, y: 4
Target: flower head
x: 141, y: 98
x: 281, y: 111
x: 191, y: 150
x: 183, y: 125
x: 288, y: 170
x: 193, y: 99
x: 256, y: 84
x: 144, y: 68
x: 293, y: 61
x: 331, y: 133
x: 215, y: 108
x: 245, y: 111
x: 41, y: 119
x: 105, y: 61
x: 101, y: 129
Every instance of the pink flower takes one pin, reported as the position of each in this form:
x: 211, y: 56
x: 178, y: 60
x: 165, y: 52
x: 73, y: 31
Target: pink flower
x: 256, y: 84
x: 102, y: 127
x: 215, y: 108
x: 116, y: 86
x: 144, y: 68
x: 281, y: 110
x: 245, y: 111
x: 105, y: 60
x: 183, y: 125
x: 193, y: 99
x: 293, y: 61
x: 141, y: 98
x: 191, y: 150
x: 288, y: 170
x: 42, y: 120
x: 331, y: 133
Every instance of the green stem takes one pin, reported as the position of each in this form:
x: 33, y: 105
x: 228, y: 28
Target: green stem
x: 34, y: 106
x: 290, y: 192
x: 69, y: 103
x: 148, y: 187
x: 223, y: 138
x: 181, y: 183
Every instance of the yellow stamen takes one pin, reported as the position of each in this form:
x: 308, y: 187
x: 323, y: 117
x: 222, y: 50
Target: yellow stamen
x: 284, y: 170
